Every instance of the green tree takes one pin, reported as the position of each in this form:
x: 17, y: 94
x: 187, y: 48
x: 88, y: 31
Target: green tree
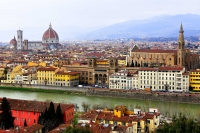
x: 180, y: 124
x: 6, y: 120
x: 84, y: 129
x: 51, y: 111
x: 51, y: 119
x: 25, y: 124
x: 85, y: 106
x: 59, y: 114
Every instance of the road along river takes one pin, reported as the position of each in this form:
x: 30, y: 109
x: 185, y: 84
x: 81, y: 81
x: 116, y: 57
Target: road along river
x: 166, y: 108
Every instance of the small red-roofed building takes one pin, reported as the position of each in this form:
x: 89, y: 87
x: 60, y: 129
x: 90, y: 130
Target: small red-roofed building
x: 120, y: 119
x: 30, y: 111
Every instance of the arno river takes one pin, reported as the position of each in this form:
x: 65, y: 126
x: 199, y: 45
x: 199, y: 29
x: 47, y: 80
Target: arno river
x: 166, y: 108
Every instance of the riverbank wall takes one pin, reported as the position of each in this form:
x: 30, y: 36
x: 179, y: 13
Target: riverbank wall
x: 165, y: 97
x: 141, y: 95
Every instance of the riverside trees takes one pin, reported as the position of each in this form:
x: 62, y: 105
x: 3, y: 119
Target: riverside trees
x: 6, y: 118
x: 180, y: 124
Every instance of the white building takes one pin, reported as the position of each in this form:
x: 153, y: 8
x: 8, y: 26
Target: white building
x: 165, y: 78
x: 121, y: 80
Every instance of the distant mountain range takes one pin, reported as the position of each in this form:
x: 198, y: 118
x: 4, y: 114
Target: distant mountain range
x: 159, y: 26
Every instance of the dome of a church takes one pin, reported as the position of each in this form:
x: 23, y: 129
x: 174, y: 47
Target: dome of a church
x: 13, y: 41
x: 50, y: 36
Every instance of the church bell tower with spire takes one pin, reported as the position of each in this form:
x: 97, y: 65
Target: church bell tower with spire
x: 181, y: 48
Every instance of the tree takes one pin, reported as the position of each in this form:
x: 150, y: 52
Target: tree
x: 190, y: 88
x: 59, y: 114
x: 25, y: 124
x: 51, y: 111
x: 85, y: 106
x: 71, y: 129
x: 6, y: 120
x: 182, y: 124
x: 51, y: 119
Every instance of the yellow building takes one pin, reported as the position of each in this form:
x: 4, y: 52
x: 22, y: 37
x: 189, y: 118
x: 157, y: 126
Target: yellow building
x: 195, y: 79
x: 46, y: 75
x: 32, y: 64
x: 2, y: 72
x: 122, y: 61
x: 68, y: 78
x: 12, y: 73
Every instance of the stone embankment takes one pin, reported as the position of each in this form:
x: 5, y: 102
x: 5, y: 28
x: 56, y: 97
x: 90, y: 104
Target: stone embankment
x: 155, y: 96
x: 142, y: 95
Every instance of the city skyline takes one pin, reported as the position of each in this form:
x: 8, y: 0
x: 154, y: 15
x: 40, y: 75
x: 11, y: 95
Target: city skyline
x: 86, y: 15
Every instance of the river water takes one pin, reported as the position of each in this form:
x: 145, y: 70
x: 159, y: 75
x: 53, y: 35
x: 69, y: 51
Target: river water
x: 166, y: 108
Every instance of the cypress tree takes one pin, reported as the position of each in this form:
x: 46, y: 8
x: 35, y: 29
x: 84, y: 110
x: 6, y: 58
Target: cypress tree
x: 46, y: 114
x: 51, y: 111
x: 7, y: 120
x: 25, y: 124
x: 59, y: 115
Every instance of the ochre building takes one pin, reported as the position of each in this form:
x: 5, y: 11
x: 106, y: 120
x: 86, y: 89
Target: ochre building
x: 157, y: 57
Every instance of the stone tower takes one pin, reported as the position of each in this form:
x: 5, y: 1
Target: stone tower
x: 19, y: 39
x: 92, y: 62
x: 113, y: 65
x: 181, y: 48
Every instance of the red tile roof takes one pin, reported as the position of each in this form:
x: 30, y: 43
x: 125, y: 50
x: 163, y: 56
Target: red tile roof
x: 66, y: 73
x: 155, y: 51
x: 46, y: 69
x: 34, y: 106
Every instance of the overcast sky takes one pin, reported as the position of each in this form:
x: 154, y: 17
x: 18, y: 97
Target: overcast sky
x: 86, y: 13
x: 93, y: 14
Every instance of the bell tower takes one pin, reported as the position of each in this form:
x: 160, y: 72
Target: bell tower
x: 113, y: 65
x: 19, y: 39
x: 92, y: 62
x: 181, y: 48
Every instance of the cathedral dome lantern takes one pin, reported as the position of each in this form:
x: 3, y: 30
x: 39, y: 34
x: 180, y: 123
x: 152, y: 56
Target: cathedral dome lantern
x: 50, y: 36
x: 13, y: 41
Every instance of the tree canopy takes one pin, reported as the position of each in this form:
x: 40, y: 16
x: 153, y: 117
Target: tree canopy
x: 180, y: 124
x: 6, y: 120
x: 51, y: 119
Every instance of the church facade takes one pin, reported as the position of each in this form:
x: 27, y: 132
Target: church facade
x: 158, y: 57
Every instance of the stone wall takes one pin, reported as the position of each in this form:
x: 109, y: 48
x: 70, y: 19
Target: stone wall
x: 156, y: 96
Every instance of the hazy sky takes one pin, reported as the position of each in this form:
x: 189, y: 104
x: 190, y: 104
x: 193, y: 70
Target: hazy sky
x: 34, y: 16
x: 86, y: 13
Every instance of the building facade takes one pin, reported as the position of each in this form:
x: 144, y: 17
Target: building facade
x: 166, y: 78
x: 159, y: 57
x: 195, y: 79
x: 30, y: 111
